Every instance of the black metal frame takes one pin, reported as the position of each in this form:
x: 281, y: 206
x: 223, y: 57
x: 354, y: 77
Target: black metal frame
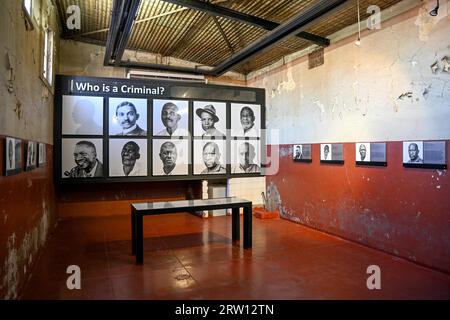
x: 228, y: 13
x: 63, y: 87
x: 121, y: 30
x: 137, y: 217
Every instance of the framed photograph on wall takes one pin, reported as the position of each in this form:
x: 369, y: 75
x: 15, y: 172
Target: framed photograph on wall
x: 170, y: 118
x: 31, y: 156
x: 245, y: 156
x: 332, y: 153
x: 13, y: 156
x: 245, y: 120
x: 170, y: 157
x: 42, y: 158
x: 210, y: 119
x: 370, y: 154
x: 127, y: 117
x: 301, y: 153
x: 425, y: 154
x: 82, y: 158
x: 209, y: 157
x: 82, y: 115
x: 127, y: 157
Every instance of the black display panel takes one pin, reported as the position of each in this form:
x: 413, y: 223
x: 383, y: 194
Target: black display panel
x: 119, y: 130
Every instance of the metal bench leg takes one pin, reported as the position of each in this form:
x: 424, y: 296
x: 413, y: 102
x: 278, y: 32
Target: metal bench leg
x: 133, y: 232
x: 235, y: 224
x: 247, y: 227
x: 139, y: 239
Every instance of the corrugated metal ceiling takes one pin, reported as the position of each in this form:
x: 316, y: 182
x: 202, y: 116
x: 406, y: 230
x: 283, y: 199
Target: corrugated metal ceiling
x: 171, y: 30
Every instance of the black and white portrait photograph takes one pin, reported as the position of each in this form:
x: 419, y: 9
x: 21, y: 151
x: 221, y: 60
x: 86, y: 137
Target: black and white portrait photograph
x: 210, y: 156
x: 170, y: 157
x: 82, y: 158
x: 82, y: 115
x: 297, y: 152
x: 127, y: 158
x: 362, y: 152
x: 210, y: 119
x: 170, y: 118
x: 31, y: 155
x: 245, y: 156
x: 13, y: 151
x: 42, y: 156
x: 413, y: 152
x: 127, y: 117
x: 325, y: 152
x: 245, y: 120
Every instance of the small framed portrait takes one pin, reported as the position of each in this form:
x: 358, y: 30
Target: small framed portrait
x: 362, y: 152
x: 170, y: 118
x: 42, y: 155
x: 127, y: 117
x: 13, y: 156
x: 245, y: 120
x: 210, y: 157
x: 370, y: 154
x: 413, y: 152
x: 127, y: 158
x: 210, y: 119
x: 170, y: 157
x: 245, y: 156
x: 31, y: 156
x: 82, y: 158
x: 82, y: 115
x: 301, y: 153
x: 332, y: 153
x: 325, y: 152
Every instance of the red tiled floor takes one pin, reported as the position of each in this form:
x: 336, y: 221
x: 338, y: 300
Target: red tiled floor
x: 190, y: 258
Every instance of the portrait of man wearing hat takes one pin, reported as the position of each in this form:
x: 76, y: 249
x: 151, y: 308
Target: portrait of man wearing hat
x: 209, y: 118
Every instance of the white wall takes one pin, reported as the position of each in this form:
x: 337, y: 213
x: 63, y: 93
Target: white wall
x: 354, y: 96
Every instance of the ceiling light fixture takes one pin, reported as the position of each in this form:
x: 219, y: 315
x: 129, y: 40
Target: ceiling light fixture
x: 435, y: 11
x: 358, y: 42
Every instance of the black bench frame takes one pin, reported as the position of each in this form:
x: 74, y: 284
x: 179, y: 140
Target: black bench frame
x: 137, y: 215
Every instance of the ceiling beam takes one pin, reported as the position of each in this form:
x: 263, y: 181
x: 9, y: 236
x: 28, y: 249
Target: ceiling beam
x: 302, y: 20
x: 244, y: 18
x: 123, y: 15
x: 163, y: 67
x: 224, y: 36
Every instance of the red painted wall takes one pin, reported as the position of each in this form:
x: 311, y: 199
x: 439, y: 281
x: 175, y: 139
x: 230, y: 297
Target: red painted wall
x: 27, y: 216
x: 403, y: 211
x: 96, y: 200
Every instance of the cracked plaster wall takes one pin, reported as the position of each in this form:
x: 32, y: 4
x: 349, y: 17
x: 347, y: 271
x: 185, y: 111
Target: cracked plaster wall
x: 384, y: 90
x: 27, y: 202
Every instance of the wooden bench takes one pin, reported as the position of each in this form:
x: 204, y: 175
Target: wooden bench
x: 139, y: 210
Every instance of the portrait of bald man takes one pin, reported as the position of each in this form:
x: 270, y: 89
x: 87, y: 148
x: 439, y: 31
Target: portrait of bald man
x: 127, y: 158
x: 245, y: 154
x: 87, y: 163
x: 173, y: 118
x: 414, y: 153
x: 211, y: 158
x: 245, y: 120
x: 170, y: 157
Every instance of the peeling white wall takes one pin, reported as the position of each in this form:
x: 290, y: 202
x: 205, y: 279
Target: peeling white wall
x: 384, y: 90
x: 26, y: 109
x: 84, y: 59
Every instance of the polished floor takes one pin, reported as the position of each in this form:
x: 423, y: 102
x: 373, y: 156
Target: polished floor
x: 187, y: 257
